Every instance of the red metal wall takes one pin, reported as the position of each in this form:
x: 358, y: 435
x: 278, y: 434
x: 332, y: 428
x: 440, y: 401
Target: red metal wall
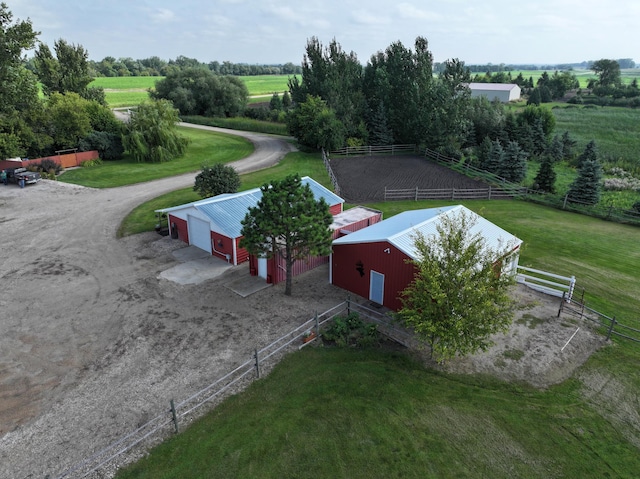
x: 221, y: 246
x: 352, y: 265
x: 358, y: 225
x: 242, y: 254
x: 335, y: 209
x: 181, y: 227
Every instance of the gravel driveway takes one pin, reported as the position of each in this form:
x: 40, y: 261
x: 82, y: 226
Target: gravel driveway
x: 93, y: 341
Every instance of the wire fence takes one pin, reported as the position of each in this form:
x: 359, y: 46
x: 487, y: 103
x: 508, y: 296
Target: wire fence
x: 579, y: 308
x: 169, y: 420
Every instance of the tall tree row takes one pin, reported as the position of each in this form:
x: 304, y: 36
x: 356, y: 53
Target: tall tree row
x: 393, y: 99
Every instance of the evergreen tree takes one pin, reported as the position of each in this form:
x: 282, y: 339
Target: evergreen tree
x: 568, y: 144
x: 539, y: 139
x: 514, y: 165
x: 286, y: 100
x: 288, y: 221
x: 483, y: 152
x: 585, y: 188
x: 590, y: 153
x: 380, y: 133
x: 275, y: 103
x: 534, y: 97
x: 555, y: 149
x: 546, y: 178
x: 495, y: 161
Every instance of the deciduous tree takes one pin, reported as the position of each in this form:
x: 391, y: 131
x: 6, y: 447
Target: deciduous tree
x: 457, y: 299
x: 216, y: 180
x: 289, y: 221
x: 152, y: 133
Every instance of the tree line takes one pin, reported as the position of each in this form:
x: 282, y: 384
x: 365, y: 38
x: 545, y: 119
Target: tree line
x: 155, y: 66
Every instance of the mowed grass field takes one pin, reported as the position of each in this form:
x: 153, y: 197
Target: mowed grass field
x: 130, y: 91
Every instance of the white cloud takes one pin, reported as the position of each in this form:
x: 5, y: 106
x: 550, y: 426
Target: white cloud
x: 411, y: 12
x: 162, y: 15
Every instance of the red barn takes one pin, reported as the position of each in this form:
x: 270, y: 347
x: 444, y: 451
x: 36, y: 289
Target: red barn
x: 214, y: 224
x: 274, y: 270
x: 372, y: 262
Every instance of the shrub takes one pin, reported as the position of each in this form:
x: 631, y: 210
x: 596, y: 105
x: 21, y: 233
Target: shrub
x: 351, y: 331
x: 90, y: 163
x: 47, y: 166
x: 109, y: 145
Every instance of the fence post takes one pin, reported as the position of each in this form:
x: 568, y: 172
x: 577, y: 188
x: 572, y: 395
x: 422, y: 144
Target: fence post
x: 613, y: 323
x: 317, y: 326
x: 489, y: 192
x: 564, y: 204
x: 416, y: 193
x: 174, y: 415
x: 561, y: 303
x: 348, y: 304
x: 257, y: 363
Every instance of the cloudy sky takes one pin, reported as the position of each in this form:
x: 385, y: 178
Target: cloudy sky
x: 276, y: 32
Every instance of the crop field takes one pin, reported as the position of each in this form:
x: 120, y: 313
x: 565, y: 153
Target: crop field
x: 130, y: 91
x: 583, y: 76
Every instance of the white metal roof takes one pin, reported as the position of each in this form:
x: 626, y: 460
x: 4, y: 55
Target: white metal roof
x: 493, y: 86
x: 225, y: 212
x: 400, y: 230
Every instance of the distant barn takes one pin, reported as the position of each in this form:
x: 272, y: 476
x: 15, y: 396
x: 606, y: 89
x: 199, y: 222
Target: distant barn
x: 503, y: 92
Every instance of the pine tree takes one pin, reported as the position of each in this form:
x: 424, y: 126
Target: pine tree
x: 288, y: 221
x: 568, y: 144
x: 514, y: 165
x: 546, y: 178
x: 555, y: 150
x: 590, y: 153
x: 496, y: 158
x: 586, y: 187
x: 380, y: 133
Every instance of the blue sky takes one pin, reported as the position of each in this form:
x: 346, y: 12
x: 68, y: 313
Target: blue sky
x: 276, y: 32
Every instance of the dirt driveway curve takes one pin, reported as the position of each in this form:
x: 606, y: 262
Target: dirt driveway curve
x: 92, y: 340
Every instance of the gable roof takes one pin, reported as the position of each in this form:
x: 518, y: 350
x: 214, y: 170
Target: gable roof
x: 226, y: 211
x: 400, y: 230
x: 493, y: 86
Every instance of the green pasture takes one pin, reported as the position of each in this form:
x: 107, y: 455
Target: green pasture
x: 199, y: 152
x: 583, y: 76
x: 130, y: 91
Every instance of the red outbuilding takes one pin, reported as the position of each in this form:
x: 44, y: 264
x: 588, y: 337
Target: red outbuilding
x: 274, y: 270
x: 374, y: 262
x: 215, y: 224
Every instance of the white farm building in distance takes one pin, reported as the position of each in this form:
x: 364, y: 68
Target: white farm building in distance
x: 503, y: 92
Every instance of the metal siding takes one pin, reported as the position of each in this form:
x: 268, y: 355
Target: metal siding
x: 242, y: 254
x: 335, y: 209
x: 221, y: 246
x: 398, y: 274
x: 181, y: 226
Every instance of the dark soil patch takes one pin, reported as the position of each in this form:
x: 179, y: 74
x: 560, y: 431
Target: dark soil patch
x: 363, y: 179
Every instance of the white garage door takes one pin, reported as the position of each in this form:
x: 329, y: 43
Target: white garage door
x: 199, y: 233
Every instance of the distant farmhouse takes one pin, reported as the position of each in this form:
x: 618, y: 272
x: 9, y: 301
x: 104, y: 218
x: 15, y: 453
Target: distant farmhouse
x: 503, y: 92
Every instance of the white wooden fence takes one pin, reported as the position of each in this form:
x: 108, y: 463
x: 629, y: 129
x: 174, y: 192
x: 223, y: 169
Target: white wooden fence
x: 546, y: 282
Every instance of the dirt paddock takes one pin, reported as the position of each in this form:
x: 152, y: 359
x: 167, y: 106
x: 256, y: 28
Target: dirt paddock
x: 94, y: 341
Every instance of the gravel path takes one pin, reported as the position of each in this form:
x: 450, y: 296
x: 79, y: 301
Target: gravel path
x: 93, y: 342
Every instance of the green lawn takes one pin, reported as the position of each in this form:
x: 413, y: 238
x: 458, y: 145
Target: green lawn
x: 205, y: 148
x: 344, y: 413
